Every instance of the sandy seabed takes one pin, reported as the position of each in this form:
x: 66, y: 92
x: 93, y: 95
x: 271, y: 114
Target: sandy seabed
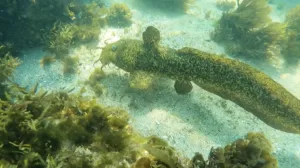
x: 191, y: 123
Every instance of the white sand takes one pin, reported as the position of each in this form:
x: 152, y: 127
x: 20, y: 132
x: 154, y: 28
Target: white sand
x: 191, y: 123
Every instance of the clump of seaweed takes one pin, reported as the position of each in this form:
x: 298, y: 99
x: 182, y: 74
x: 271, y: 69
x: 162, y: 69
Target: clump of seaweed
x: 226, y: 5
x: 85, y: 28
x: 248, y: 31
x: 92, y: 14
x: 164, y: 155
x: 7, y: 49
x: 60, y: 39
x: 90, y: 21
x: 47, y: 60
x: 52, y: 10
x: 254, y: 150
x: 61, y: 129
x: 7, y: 65
x: 119, y: 15
x: 70, y: 64
x: 95, y: 79
x: 32, y: 20
x: 55, y: 25
x: 291, y: 49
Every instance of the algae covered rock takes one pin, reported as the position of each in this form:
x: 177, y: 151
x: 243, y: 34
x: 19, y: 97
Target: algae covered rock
x: 254, y: 151
x: 164, y: 155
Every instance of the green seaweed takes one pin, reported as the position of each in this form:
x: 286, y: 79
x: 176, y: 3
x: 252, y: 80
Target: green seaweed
x: 85, y: 28
x: 226, y: 5
x: 94, y: 81
x: 27, y: 23
x: 70, y: 64
x: 163, y: 153
x: 52, y: 24
x: 291, y: 48
x: 39, y: 129
x: 47, y: 60
x: 254, y: 150
x: 7, y: 65
x: 249, y: 32
x: 61, y: 37
x: 119, y: 15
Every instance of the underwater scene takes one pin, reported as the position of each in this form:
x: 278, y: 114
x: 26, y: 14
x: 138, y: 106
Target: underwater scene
x: 150, y: 84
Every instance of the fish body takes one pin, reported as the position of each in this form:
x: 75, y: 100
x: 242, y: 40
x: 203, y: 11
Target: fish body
x: 230, y: 79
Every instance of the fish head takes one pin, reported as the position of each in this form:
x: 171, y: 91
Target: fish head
x: 123, y: 53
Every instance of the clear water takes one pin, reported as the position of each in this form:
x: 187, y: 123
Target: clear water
x: 191, y: 123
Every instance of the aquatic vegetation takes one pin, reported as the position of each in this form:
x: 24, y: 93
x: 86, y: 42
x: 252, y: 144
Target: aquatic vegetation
x: 7, y: 65
x: 163, y: 154
x: 291, y: 48
x: 60, y: 39
x: 63, y: 36
x: 93, y: 15
x: 248, y: 31
x: 119, y: 15
x: 52, y: 24
x: 96, y: 76
x: 59, y: 128
x: 98, y: 89
x: 226, y: 5
x: 94, y: 81
x: 70, y: 64
x: 7, y: 49
x: 254, y: 150
x: 249, y: 88
x: 52, y: 10
x: 198, y: 161
x: 89, y: 22
x: 143, y: 162
x: 47, y: 60
x: 32, y: 20
x: 85, y: 28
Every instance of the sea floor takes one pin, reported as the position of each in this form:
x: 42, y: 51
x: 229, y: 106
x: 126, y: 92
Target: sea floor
x: 191, y: 123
